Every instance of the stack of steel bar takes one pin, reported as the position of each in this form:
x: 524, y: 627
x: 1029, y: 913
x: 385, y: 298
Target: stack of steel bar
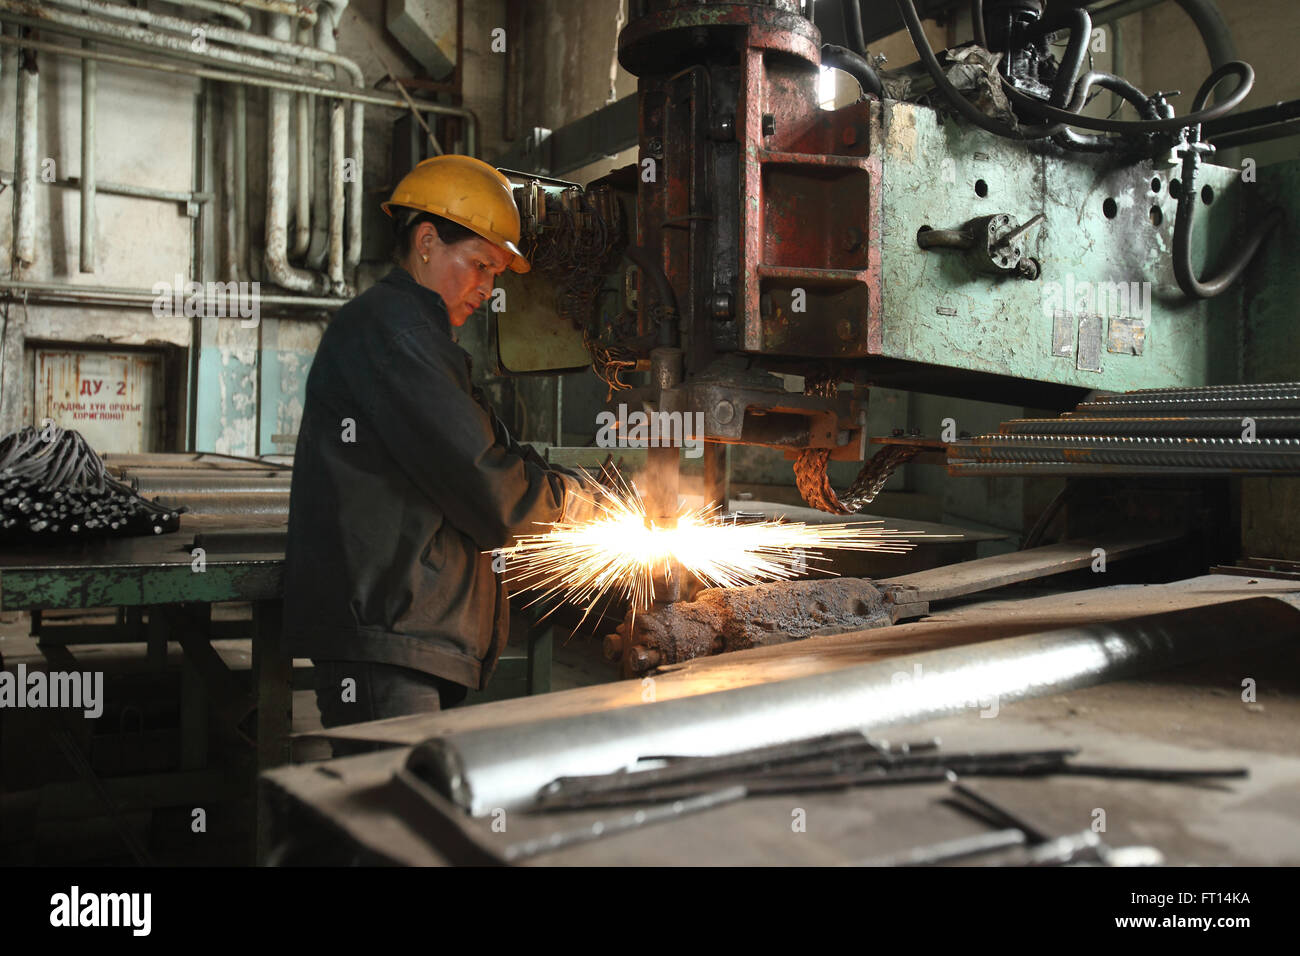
x: 1215, y: 430
x: 208, y: 483
x: 53, y: 485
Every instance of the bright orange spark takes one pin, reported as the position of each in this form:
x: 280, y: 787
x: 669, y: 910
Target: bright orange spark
x: 622, y: 552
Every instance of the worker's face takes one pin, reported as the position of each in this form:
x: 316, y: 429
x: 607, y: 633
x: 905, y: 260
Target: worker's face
x: 463, y: 273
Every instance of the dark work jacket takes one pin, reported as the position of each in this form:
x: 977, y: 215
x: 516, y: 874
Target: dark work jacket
x: 403, y: 479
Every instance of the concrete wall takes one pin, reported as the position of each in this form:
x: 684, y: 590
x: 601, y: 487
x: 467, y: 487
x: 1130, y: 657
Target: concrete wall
x: 249, y: 381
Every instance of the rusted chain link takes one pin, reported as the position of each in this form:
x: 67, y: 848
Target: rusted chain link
x: 815, y: 485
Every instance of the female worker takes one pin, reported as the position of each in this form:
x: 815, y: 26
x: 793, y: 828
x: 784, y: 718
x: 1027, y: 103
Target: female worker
x: 404, y: 480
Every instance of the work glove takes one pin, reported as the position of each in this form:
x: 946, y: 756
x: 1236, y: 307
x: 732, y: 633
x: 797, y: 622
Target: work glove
x: 580, y: 497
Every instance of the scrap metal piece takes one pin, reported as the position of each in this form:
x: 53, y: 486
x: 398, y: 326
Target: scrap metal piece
x: 560, y: 839
x: 949, y: 851
x: 730, y: 619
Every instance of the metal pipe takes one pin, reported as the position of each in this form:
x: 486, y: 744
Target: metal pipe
x: 264, y: 82
x: 290, y: 8
x: 104, y: 295
x: 335, y: 270
x: 89, y: 27
x: 89, y: 84
x: 28, y: 160
x: 180, y: 485
x: 276, y: 256
x: 230, y: 158
x: 123, y: 189
x: 241, y: 184
x: 355, y: 195
x: 302, y: 194
x: 225, y: 502
x: 318, y: 249
x: 142, y: 192
x: 506, y: 766
x: 227, y: 10
x: 273, y: 44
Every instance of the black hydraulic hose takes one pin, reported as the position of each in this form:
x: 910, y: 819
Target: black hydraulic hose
x: 1187, y: 281
x: 1116, y: 84
x: 1079, y: 23
x: 1173, y: 124
x: 669, y: 334
x: 1213, y: 29
x: 842, y: 58
x: 853, y: 27
x: 963, y: 106
x: 977, y: 22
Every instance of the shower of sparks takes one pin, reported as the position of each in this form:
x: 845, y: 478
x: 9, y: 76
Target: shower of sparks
x: 621, y: 551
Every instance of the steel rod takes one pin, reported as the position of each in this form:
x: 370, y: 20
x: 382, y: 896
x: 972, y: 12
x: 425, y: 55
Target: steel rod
x: 507, y: 766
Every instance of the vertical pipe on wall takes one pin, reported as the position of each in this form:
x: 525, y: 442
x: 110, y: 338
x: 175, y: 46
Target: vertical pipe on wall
x: 26, y: 161
x: 89, y: 85
x: 319, y: 247
x: 241, y: 184
x: 336, y: 197
x: 302, y: 205
x: 277, y: 183
x: 357, y: 161
x: 231, y: 158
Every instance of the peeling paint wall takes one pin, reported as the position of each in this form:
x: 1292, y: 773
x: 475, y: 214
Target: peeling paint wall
x: 249, y: 383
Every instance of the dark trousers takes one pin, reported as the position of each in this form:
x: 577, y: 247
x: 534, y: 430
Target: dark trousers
x: 377, y: 691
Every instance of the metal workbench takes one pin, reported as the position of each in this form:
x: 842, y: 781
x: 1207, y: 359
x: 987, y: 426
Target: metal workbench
x: 1190, y: 716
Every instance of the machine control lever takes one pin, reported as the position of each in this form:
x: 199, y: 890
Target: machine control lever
x: 993, y: 244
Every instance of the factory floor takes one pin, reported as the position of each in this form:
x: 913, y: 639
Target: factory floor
x: 1193, y: 716
x: 51, y: 815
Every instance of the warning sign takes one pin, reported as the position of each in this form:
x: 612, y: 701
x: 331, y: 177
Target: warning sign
x: 109, y: 397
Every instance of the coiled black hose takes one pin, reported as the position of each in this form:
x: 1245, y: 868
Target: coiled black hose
x: 853, y: 27
x: 1243, y: 71
x: 1116, y: 84
x: 1064, y: 117
x: 953, y: 95
x: 1187, y: 281
x: 842, y: 58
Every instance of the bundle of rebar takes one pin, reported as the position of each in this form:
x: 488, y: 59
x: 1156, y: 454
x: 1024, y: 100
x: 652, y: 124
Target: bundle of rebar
x: 1211, y: 431
x: 53, y: 485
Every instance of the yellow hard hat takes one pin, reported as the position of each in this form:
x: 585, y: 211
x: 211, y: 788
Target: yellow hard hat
x: 467, y: 191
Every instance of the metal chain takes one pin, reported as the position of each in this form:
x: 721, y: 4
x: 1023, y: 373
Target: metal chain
x: 815, y: 485
x: 810, y: 467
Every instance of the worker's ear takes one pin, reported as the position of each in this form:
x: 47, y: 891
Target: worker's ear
x: 427, y: 242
